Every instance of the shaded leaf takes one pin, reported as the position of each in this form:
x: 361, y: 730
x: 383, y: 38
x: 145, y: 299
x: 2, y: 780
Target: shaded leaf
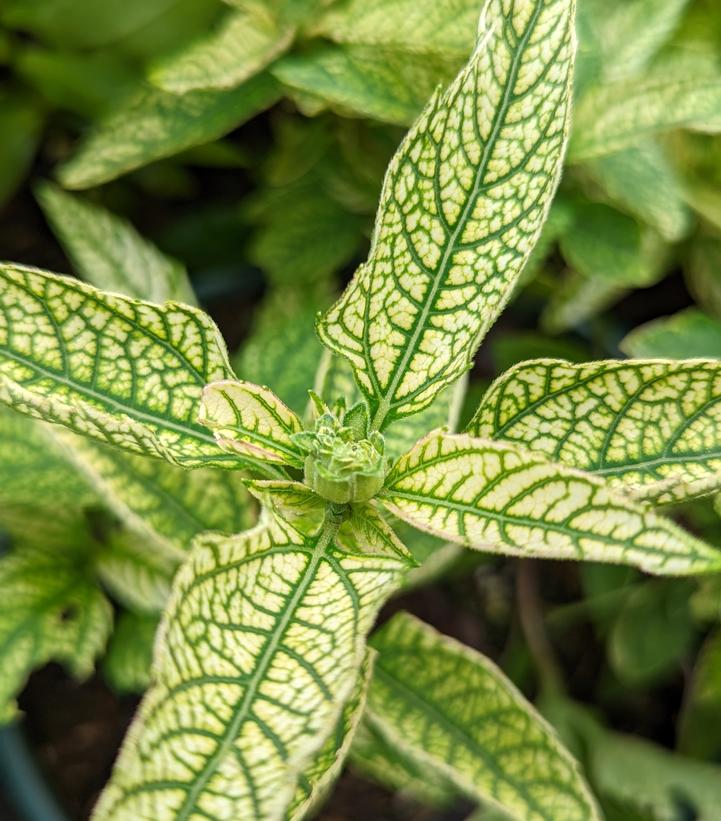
x: 688, y: 334
x: 130, y: 652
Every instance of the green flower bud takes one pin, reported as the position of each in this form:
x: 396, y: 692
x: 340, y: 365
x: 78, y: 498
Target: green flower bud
x: 339, y: 466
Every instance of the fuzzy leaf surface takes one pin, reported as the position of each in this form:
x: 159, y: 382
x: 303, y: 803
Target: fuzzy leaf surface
x: 119, y: 370
x: 244, y: 43
x: 248, y: 614
x: 52, y: 610
x: 450, y: 708
x: 462, y: 206
x: 318, y: 778
x: 154, y: 124
x: 250, y: 420
x: 501, y: 498
x: 652, y: 428
x: 109, y: 253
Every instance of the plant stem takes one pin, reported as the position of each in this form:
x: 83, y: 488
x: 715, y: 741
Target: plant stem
x: 531, y: 615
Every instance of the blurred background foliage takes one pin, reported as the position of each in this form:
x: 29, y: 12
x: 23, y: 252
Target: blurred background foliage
x: 235, y: 151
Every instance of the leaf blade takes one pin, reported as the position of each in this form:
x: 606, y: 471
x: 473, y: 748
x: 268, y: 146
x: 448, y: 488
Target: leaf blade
x: 435, y: 255
x: 497, y: 497
x: 259, y: 743
x: 433, y: 697
x: 648, y: 427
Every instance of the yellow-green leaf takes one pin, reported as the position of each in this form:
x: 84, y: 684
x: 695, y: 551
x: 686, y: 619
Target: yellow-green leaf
x: 501, y: 498
x: 380, y: 760
x: 613, y: 116
x: 463, y: 204
x: 250, y: 420
x: 119, y: 370
x: 243, y: 44
x: 52, y: 610
x: 154, y: 124
x: 650, y: 428
x: 109, y: 253
x: 445, y: 27
x: 687, y: 334
x: 135, y: 572
x: 376, y: 82
x: 318, y: 778
x: 453, y: 711
x: 168, y: 504
x: 247, y: 616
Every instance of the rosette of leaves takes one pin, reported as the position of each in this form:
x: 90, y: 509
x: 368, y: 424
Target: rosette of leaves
x: 262, y: 669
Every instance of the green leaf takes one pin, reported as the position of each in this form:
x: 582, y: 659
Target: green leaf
x: 109, y: 253
x: 689, y: 334
x: 367, y: 80
x: 577, y: 299
x: 699, y: 730
x: 642, y: 181
x: 119, y: 370
x: 35, y: 476
x: 243, y: 44
x: 462, y: 207
x: 130, y: 652
x: 652, y: 633
x: 604, y: 244
x: 317, y: 780
x: 501, y: 498
x: 21, y: 122
x: 366, y: 531
x: 417, y: 26
x: 449, y: 708
x: 153, y: 124
x: 643, y: 777
x: 168, y: 504
x: 631, y: 33
x: 703, y: 274
x: 650, y: 428
x: 614, y: 116
x: 247, y: 615
x: 387, y: 763
x: 251, y: 421
x: 52, y: 611
x: 283, y: 349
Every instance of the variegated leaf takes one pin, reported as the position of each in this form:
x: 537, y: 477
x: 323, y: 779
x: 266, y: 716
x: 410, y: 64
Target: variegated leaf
x: 451, y: 710
x: 52, y: 610
x: 613, y: 116
x: 318, y: 778
x: 153, y: 124
x: 108, y: 252
x: 652, y: 428
x: 244, y: 43
x: 250, y: 420
x: 447, y: 27
x: 383, y: 761
x: 221, y: 733
x: 168, y: 504
x: 501, y: 498
x: 462, y: 207
x: 366, y: 531
x: 135, y: 572
x: 119, y: 370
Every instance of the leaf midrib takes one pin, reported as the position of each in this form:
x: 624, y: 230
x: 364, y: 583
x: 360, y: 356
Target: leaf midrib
x: 387, y: 404
x: 266, y: 657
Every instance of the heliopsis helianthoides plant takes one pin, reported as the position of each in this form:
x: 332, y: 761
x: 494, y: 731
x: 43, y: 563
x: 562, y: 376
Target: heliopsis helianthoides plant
x: 263, y: 670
